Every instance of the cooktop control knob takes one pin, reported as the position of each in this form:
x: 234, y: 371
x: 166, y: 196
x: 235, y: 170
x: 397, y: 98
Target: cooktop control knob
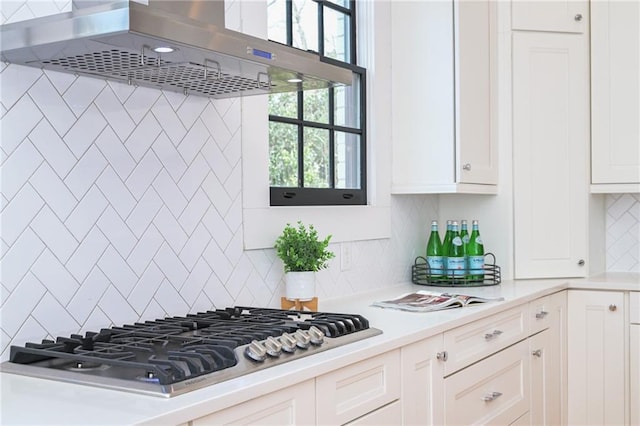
x: 288, y: 343
x: 316, y: 335
x: 302, y: 339
x: 274, y: 348
x: 256, y: 351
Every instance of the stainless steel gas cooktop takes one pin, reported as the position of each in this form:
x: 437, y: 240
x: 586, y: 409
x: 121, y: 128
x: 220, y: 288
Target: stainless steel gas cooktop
x: 170, y: 356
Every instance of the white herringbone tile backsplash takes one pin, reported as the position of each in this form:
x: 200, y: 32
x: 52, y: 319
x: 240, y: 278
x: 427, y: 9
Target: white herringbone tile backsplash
x: 623, y: 232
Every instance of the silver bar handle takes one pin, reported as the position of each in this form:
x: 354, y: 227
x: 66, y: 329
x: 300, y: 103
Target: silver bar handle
x: 268, y: 80
x: 217, y: 67
x: 492, y: 396
x: 541, y: 314
x: 493, y: 335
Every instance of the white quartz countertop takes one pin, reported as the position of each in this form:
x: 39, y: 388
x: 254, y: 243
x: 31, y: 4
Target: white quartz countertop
x: 25, y: 400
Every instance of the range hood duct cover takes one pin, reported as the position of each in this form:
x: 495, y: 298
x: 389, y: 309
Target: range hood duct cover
x: 115, y: 40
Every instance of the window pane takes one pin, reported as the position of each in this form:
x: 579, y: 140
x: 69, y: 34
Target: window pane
x: 284, y: 104
x: 336, y: 35
x: 343, y: 3
x: 347, y: 160
x: 316, y: 158
x: 283, y: 154
x: 277, y: 21
x: 347, y: 104
x: 316, y: 105
x: 305, y: 24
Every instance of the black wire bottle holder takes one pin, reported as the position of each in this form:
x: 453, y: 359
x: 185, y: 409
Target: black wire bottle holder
x: 422, y: 274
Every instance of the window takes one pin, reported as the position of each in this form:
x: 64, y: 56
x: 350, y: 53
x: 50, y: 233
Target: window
x: 316, y: 138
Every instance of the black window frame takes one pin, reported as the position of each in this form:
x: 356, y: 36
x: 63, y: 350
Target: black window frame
x: 305, y: 196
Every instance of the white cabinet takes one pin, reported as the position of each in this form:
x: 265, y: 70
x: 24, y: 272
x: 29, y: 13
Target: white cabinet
x: 548, y: 352
x: 444, y: 86
x: 293, y: 405
x: 634, y: 358
x: 359, y: 390
x: 556, y: 16
x: 550, y: 151
x: 596, y: 353
x: 422, y: 382
x: 615, y: 93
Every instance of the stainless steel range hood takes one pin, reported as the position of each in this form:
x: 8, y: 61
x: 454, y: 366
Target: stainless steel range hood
x: 119, y: 40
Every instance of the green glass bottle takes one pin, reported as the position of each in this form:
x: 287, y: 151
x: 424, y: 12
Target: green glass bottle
x: 455, y: 255
x: 475, y: 253
x: 435, y: 257
x: 464, y: 232
x: 446, y: 242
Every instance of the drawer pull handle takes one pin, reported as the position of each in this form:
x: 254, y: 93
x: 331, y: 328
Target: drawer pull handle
x: 537, y: 352
x: 541, y: 314
x: 442, y: 356
x: 491, y: 396
x: 493, y: 335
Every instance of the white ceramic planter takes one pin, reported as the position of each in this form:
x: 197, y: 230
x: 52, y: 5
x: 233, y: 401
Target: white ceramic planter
x: 300, y: 285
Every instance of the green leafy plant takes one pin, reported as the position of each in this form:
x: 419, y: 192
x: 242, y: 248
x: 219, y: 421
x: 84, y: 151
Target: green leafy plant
x: 301, y: 250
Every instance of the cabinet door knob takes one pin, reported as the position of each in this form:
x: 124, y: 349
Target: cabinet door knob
x: 613, y: 308
x: 537, y: 352
x: 581, y: 262
x: 442, y: 356
x: 578, y: 17
x: 467, y: 167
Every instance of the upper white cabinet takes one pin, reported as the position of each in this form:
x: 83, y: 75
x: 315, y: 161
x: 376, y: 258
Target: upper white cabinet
x: 444, y: 85
x: 550, y: 151
x: 568, y: 16
x: 615, y: 94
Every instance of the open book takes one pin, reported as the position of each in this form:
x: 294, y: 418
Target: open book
x: 426, y: 301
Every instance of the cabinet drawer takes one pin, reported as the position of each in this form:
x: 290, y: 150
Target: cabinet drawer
x: 472, y: 342
x: 541, y: 314
x: 353, y: 391
x: 390, y: 415
x: 494, y: 391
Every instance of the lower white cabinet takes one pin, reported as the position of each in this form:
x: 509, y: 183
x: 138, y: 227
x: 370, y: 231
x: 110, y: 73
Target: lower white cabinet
x: 596, y: 350
x: 422, y: 382
x: 634, y: 357
x: 293, y: 405
x: 492, y: 391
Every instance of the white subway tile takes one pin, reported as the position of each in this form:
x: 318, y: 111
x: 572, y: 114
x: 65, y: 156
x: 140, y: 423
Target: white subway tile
x: 143, y: 175
x: 86, y: 298
x: 216, y: 126
x: 30, y: 331
x: 85, y: 257
x: 145, y: 288
x: 52, y: 106
x: 193, y: 142
x: 140, y: 102
x: 234, y: 250
x: 192, y: 179
x: 144, y: 212
x: 218, y: 262
x: 85, y: 172
x: 217, y: 194
x: 55, y: 277
x: 54, y: 317
x: 196, y: 281
x: 18, y: 168
x: 144, y: 251
x: 60, y: 80
x: 115, y: 153
x: 143, y: 136
x: 191, y: 109
x: 53, y: 148
x: 19, y: 212
x: 15, y: 80
x: 174, y: 99
x: 170, y: 229
x: 5, y: 341
x: 168, y: 119
x: 620, y: 207
x: 54, y: 234
x: 170, y: 299
x: 96, y: 321
x: 154, y: 311
x: 217, y: 293
x: 117, y: 271
x: 233, y: 150
x: 53, y: 191
x: 117, y: 232
x: 86, y: 213
x: 121, y: 90
x: 20, y: 304
x: 195, y: 246
x: 217, y: 227
x: 169, y: 156
x: 171, y: 266
x: 216, y: 159
x: 116, y: 192
x: 233, y: 218
x: 170, y: 193
x: 19, y: 259
x: 82, y: 93
x: 110, y: 106
x: 116, y: 308
x: 194, y: 212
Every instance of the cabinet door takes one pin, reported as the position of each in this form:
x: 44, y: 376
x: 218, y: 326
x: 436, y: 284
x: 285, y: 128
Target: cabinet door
x: 556, y: 15
x: 550, y: 149
x: 545, y: 379
x: 615, y: 92
x: 476, y: 91
x: 422, y: 382
x: 634, y: 376
x: 294, y: 405
x: 596, y: 353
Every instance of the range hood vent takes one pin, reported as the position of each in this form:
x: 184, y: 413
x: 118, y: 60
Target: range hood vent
x: 119, y: 40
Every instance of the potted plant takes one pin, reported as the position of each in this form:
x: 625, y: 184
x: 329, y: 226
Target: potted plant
x: 303, y: 254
